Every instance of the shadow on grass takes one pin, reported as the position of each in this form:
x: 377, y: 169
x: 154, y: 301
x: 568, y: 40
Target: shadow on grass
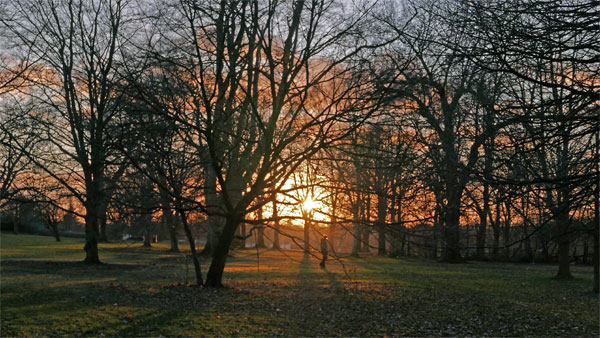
x: 57, y: 266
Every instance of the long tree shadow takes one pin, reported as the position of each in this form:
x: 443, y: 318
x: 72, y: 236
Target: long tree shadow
x: 309, y: 276
x: 305, y: 273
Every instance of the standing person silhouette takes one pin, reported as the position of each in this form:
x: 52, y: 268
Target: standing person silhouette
x: 323, y: 250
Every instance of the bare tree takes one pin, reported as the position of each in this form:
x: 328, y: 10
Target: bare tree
x: 439, y: 89
x: 76, y: 45
x: 271, y: 84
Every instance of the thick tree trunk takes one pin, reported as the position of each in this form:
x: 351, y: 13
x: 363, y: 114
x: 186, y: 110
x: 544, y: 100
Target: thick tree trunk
x: 147, y: 234
x: 406, y: 240
x: 564, y: 260
x: 452, y: 231
x: 173, y: 238
x: 563, y: 241
x: 366, y: 234
x: 171, y: 224
x: 214, y: 222
x: 214, y: 277
x: 307, y: 225
x: 102, y: 220
x: 91, y: 235
x: 381, y: 247
x: 528, y: 248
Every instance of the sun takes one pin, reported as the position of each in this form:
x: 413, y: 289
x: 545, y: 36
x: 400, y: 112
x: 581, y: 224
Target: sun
x: 309, y: 204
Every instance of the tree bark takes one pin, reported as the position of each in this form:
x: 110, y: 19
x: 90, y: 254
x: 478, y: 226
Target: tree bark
x: 564, y: 260
x: 260, y: 236
x: 381, y: 215
x: 171, y: 224
x: 214, y: 221
x: 54, y: 228
x: 103, y: 206
x: 173, y: 237
x: 275, y: 227
x: 192, y: 243
x: 596, y: 257
x: 507, y: 223
x: 307, y: 225
x: 482, y: 228
x: 214, y: 277
x: 452, y: 227
x: 91, y: 235
x: 496, y: 231
x: 355, y: 229
x: 147, y: 234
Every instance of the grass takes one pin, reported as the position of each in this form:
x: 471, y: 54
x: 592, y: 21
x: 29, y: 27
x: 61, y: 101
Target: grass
x: 143, y: 292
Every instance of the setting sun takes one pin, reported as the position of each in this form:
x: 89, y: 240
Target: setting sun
x: 309, y: 204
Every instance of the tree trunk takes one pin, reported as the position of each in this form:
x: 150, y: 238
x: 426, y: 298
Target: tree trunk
x: 214, y: 221
x: 496, y: 231
x: 260, y: 235
x: 482, y: 228
x: 171, y: 223
x: 169, y: 219
x: 596, y: 257
x: 393, y: 235
x: 214, y: 277
x: 406, y: 239
x: 564, y: 260
x: 16, y: 219
x: 241, y: 232
x: 192, y: 243
x: 366, y: 234
x: 436, y: 228
x: 507, y: 223
x: 355, y: 230
x: 91, y: 234
x: 102, y: 220
x: 381, y: 215
x: 527, y: 241
x: 54, y: 226
x: 563, y: 241
x: 147, y: 234
x: 306, y: 233
x: 452, y: 231
x: 275, y: 226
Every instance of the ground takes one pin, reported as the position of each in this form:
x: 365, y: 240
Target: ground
x: 45, y: 290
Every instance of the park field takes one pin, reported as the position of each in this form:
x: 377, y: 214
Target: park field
x: 46, y: 291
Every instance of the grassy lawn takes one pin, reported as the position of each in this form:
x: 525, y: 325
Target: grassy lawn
x: 142, y: 292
